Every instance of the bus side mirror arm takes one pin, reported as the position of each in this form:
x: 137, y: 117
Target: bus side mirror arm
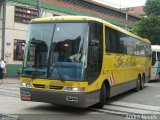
x: 94, y: 42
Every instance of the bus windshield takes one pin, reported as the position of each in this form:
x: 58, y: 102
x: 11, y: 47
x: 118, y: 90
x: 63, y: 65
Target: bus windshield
x: 56, y: 51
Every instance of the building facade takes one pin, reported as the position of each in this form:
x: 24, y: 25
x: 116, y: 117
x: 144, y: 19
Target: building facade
x: 19, y: 13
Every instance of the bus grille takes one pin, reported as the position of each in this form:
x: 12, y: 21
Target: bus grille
x: 39, y: 86
x: 55, y: 87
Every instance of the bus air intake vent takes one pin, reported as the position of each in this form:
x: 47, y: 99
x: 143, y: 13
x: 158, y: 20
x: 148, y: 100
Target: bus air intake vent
x: 55, y: 87
x: 39, y: 86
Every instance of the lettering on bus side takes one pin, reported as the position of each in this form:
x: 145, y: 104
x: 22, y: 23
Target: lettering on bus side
x: 124, y: 61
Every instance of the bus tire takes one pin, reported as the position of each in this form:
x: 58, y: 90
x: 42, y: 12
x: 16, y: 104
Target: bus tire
x: 138, y: 84
x: 142, y: 82
x: 102, y: 97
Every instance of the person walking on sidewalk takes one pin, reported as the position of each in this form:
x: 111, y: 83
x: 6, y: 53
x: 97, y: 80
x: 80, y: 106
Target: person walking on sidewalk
x: 5, y: 70
x: 2, y: 66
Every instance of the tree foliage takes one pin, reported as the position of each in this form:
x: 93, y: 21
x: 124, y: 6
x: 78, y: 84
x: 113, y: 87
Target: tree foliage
x: 149, y: 27
x: 152, y: 7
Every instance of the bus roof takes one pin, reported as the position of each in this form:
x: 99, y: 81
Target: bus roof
x: 87, y: 18
x: 155, y: 48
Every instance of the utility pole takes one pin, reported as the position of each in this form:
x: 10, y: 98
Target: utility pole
x: 126, y: 22
x: 3, y: 29
x: 126, y: 25
x: 38, y: 8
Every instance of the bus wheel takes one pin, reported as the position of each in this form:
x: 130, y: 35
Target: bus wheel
x: 102, y: 97
x: 138, y: 84
x: 142, y: 82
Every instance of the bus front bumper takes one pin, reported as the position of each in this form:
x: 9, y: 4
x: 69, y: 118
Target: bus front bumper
x: 74, y: 99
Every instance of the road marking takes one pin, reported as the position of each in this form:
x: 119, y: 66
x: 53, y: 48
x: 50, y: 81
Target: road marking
x: 129, y: 110
x: 124, y: 108
x: 157, y: 96
x: 110, y: 111
x: 138, y: 106
x: 9, y: 92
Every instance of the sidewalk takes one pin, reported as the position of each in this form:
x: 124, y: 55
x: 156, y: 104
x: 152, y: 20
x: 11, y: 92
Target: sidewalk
x: 11, y: 80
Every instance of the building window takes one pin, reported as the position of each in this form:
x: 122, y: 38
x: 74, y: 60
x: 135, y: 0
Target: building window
x: 24, y: 15
x: 18, y: 49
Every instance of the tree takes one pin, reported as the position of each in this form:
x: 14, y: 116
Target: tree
x: 152, y: 7
x: 149, y: 27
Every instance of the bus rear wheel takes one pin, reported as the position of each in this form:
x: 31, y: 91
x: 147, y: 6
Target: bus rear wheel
x: 138, y: 84
x: 142, y: 82
x: 102, y: 97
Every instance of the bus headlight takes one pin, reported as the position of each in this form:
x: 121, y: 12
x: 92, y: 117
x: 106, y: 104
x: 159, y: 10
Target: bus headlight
x: 74, y: 89
x: 28, y: 85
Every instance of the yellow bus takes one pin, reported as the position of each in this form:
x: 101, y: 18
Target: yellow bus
x: 81, y: 61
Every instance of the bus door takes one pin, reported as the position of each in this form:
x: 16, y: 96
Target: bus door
x: 95, y: 51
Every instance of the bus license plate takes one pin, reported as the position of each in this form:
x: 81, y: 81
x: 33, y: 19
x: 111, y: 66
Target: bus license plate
x: 26, y: 98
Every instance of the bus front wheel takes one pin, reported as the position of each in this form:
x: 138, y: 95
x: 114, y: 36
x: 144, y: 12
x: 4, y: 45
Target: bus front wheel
x: 102, y: 97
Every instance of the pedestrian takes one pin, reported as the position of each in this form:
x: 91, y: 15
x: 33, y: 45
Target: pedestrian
x: 5, y: 70
x: 2, y: 66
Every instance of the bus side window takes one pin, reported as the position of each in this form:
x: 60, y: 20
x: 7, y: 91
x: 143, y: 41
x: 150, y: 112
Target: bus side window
x: 112, y: 40
x: 153, y: 58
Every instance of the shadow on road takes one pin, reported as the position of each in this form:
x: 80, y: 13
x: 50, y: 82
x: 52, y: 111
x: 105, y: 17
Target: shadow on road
x: 60, y: 109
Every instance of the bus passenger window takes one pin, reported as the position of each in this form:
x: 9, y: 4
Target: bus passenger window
x: 112, y: 40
